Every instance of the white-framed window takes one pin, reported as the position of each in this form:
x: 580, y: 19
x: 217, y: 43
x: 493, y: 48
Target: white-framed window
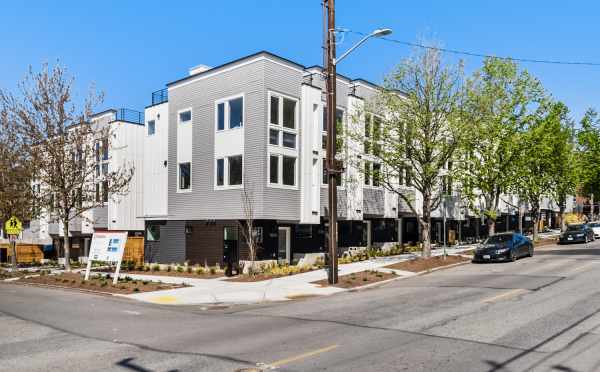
x: 283, y: 170
x: 185, y: 176
x: 229, y: 172
x: 372, y: 134
x: 283, y: 121
x: 151, y: 127
x: 229, y: 113
x: 339, y: 118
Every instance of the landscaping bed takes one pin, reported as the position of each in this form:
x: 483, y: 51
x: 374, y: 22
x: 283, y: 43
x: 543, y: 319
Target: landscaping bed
x: 206, y: 274
x: 358, y: 279
x: 425, y: 264
x: 101, y: 283
x: 273, y: 272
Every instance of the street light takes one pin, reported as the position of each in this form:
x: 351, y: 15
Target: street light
x: 333, y: 168
x: 380, y: 32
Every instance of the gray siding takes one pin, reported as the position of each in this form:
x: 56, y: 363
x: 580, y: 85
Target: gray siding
x: 342, y: 208
x: 204, y: 202
x: 171, y: 246
x: 100, y: 216
x: 373, y: 202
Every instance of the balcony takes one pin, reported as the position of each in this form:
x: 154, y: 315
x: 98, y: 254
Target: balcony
x: 130, y: 116
x: 160, y: 96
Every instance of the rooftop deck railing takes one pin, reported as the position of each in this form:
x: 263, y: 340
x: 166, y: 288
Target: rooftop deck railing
x: 131, y: 116
x: 160, y: 96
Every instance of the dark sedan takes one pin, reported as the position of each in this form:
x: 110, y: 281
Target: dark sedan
x: 504, y: 247
x: 577, y: 233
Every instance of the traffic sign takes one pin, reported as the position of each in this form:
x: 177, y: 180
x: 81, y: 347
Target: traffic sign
x: 13, y: 226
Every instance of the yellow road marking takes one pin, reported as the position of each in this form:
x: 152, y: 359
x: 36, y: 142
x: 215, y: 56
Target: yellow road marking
x: 164, y: 299
x: 505, y: 295
x: 281, y: 362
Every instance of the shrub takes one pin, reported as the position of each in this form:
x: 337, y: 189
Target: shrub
x: 213, y: 270
x: 179, y: 269
x: 199, y: 271
x: 365, y: 279
x: 146, y: 268
x: 136, y: 289
x: 145, y: 282
x: 103, y: 284
x: 190, y: 270
x: 169, y: 268
x: 156, y: 267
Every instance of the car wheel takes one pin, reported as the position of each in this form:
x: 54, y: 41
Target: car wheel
x: 586, y: 239
x: 530, y: 254
x: 513, y: 256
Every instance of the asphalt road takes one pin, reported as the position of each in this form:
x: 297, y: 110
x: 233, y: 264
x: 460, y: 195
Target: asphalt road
x: 540, y: 313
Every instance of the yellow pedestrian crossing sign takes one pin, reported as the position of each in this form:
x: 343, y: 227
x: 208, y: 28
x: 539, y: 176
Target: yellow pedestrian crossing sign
x: 13, y: 226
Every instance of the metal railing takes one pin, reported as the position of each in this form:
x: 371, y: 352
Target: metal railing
x: 160, y: 96
x: 131, y: 116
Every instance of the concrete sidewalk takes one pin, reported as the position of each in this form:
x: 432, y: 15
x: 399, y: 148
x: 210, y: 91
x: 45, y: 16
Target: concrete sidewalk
x: 220, y: 291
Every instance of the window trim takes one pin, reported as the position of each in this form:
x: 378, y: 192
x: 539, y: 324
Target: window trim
x: 226, y: 185
x: 279, y: 184
x: 226, y: 122
x: 179, y: 189
x: 179, y: 122
x: 153, y: 128
x: 279, y: 126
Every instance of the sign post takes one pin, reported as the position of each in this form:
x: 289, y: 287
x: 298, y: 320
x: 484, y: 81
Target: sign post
x: 108, y: 247
x: 13, y: 228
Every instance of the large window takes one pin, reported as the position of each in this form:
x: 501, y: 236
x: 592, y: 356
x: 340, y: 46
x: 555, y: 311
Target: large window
x: 105, y: 191
x: 339, y: 119
x: 283, y: 113
x: 153, y: 233
x: 230, y: 113
x: 372, y: 174
x: 184, y: 176
x: 185, y: 116
x: 325, y: 176
x: 229, y: 171
x: 235, y: 169
x: 372, y: 140
x: 282, y: 170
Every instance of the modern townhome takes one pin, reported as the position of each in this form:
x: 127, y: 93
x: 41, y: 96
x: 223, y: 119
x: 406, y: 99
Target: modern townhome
x: 254, y: 128
x: 118, y: 212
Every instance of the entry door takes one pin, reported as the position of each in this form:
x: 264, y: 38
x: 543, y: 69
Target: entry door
x: 284, y: 246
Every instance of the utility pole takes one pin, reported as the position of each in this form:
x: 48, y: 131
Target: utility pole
x: 331, y: 163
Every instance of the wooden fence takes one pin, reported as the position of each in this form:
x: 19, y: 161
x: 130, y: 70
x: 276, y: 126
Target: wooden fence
x: 26, y: 253
x: 134, y: 250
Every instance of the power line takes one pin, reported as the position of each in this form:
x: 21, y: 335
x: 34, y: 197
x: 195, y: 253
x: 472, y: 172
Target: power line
x: 480, y: 55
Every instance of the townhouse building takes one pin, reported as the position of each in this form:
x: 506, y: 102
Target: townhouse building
x: 254, y: 126
x: 116, y: 212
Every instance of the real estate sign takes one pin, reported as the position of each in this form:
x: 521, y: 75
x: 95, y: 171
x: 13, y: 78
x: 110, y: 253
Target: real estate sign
x: 107, y: 246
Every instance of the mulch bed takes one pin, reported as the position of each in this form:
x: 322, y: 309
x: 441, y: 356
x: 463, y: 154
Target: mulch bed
x: 424, y: 264
x: 256, y: 278
x: 545, y: 242
x: 173, y: 273
x: 97, y: 284
x: 358, y: 279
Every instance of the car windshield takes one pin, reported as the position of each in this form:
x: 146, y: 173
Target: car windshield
x: 594, y: 224
x: 499, y: 239
x: 574, y: 227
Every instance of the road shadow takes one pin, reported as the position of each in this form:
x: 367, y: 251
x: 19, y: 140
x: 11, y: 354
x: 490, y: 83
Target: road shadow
x: 128, y: 363
x: 567, y: 250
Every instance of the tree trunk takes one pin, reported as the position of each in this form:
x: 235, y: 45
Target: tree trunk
x: 563, y: 222
x: 491, y: 226
x: 536, y: 223
x: 13, y: 259
x: 67, y: 245
x: 426, y: 237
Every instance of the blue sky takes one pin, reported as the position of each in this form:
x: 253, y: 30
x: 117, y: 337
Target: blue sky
x: 131, y: 48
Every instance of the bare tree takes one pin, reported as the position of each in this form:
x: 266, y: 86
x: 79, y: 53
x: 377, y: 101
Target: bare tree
x: 247, y: 226
x: 64, y: 147
x: 417, y: 134
x: 16, y: 197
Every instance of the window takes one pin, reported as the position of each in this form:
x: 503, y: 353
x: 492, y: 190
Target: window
x: 104, y: 149
x: 105, y: 191
x: 372, y: 134
x: 289, y: 140
x: 185, y: 116
x: 97, y: 193
x: 97, y: 170
x: 153, y: 233
x: 220, y: 172
x: 289, y: 171
x: 376, y: 175
x: 289, y: 113
x: 274, y: 110
x: 235, y: 169
x: 339, y: 118
x: 221, y: 116
x: 274, y: 137
x: 325, y: 178
x: 230, y: 112
x: 184, y: 176
x: 104, y: 168
x: 236, y: 109
x: 273, y: 169
x: 151, y: 127
x: 372, y: 174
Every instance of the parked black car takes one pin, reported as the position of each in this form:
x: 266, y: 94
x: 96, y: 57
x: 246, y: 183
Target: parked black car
x: 504, y: 247
x: 577, y: 233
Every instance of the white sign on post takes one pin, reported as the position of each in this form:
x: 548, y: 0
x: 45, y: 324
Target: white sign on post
x: 108, y: 247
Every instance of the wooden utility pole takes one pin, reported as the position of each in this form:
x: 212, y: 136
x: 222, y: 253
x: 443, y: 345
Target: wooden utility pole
x: 331, y: 163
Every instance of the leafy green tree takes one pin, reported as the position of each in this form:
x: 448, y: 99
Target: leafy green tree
x: 500, y: 100
x: 588, y: 154
x: 542, y: 146
x: 417, y: 134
